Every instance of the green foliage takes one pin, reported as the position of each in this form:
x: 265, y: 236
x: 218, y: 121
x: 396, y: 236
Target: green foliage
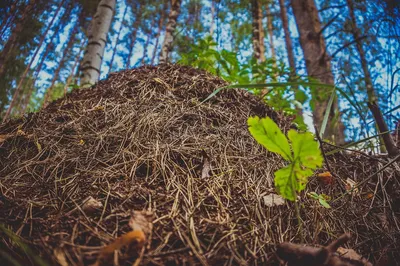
x: 304, y: 155
x: 321, y: 198
x: 288, y: 96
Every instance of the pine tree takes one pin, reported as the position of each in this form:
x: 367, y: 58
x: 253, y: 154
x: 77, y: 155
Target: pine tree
x: 318, y: 66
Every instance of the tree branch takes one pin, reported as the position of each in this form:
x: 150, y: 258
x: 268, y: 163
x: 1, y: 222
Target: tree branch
x: 347, y: 45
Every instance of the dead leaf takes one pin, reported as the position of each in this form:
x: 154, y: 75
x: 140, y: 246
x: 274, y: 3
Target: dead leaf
x: 60, y: 257
x: 205, y: 171
x: 326, y: 178
x: 141, y: 223
x: 272, y: 200
x: 349, y: 253
x: 91, y: 205
x: 384, y: 221
x: 351, y: 186
x: 142, y: 220
x: 4, y: 138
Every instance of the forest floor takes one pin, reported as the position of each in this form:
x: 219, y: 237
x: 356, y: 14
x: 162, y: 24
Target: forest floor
x: 139, y: 153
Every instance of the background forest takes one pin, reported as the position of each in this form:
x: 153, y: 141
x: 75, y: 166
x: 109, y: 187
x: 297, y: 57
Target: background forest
x: 49, y: 48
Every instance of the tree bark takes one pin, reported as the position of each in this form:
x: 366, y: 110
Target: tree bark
x: 169, y: 31
x: 117, y: 41
x: 91, y: 62
x: 372, y: 98
x: 270, y: 32
x: 134, y: 35
x: 258, y: 31
x: 160, y: 26
x: 288, y: 40
x: 318, y: 66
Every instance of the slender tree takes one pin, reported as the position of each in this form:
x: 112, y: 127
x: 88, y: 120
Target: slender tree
x: 160, y: 26
x: 146, y: 44
x: 258, y: 31
x: 372, y: 98
x: 318, y: 66
x: 12, y: 42
x: 66, y: 51
x: 132, y: 42
x: 169, y: 32
x: 91, y: 62
x: 117, y: 41
x: 28, y: 67
x: 288, y: 39
x: 270, y: 29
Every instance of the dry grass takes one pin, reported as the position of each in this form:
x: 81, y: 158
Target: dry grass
x: 138, y: 140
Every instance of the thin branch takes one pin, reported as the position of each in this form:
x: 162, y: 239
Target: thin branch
x: 328, y: 24
x: 347, y: 45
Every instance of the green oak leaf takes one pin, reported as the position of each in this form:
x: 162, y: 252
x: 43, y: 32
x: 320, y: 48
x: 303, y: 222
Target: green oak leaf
x: 305, y: 149
x: 267, y: 133
x: 285, y: 182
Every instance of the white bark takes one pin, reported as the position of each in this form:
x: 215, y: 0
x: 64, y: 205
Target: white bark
x: 91, y: 62
x: 169, y: 31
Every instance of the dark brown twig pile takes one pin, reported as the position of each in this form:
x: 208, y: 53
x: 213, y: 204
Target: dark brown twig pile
x: 141, y: 140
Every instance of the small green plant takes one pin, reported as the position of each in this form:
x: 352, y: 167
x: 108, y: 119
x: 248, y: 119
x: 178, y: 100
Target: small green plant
x: 303, y: 155
x: 322, y: 199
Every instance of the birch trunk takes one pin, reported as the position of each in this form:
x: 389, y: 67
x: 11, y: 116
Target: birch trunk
x: 258, y: 31
x: 169, y: 31
x: 372, y: 98
x: 318, y: 66
x: 91, y: 62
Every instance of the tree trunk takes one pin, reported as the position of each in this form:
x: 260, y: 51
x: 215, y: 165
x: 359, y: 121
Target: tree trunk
x: 160, y: 26
x: 94, y: 52
x: 8, y: 19
x: 270, y: 32
x: 212, y: 18
x: 145, y: 46
x: 12, y: 41
x: 71, y: 75
x: 67, y: 50
x: 372, y: 99
x: 28, y: 67
x: 318, y: 66
x: 169, y: 31
x: 258, y: 31
x: 117, y: 41
x: 134, y: 35
x: 48, y: 47
x: 25, y: 103
x: 288, y: 40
